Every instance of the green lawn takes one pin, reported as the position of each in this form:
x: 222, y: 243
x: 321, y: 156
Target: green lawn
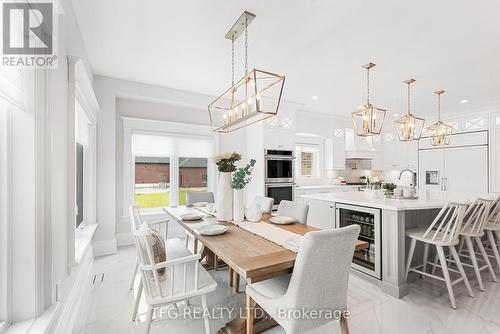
x: 155, y: 200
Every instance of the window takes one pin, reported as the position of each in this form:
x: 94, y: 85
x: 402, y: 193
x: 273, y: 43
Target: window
x: 307, y: 160
x: 168, y: 166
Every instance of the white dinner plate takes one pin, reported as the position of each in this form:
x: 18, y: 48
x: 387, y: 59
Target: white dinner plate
x: 213, y: 229
x: 282, y: 220
x: 192, y: 216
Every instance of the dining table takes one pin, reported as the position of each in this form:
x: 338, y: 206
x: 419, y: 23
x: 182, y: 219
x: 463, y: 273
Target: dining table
x: 248, y: 255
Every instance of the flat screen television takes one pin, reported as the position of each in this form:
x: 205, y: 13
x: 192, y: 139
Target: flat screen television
x: 79, y: 184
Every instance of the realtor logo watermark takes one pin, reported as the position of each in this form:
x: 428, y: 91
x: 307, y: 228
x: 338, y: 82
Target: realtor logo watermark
x: 29, y: 34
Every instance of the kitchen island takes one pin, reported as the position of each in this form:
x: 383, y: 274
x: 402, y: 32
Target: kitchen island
x: 383, y: 223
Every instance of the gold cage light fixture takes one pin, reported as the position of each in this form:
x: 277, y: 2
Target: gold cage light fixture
x: 409, y: 127
x: 440, y: 132
x: 253, y: 98
x: 369, y: 119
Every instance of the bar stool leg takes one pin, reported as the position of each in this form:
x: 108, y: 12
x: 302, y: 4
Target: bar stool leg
x: 410, y: 256
x: 472, y: 255
x: 456, y: 258
x: 493, y: 244
x: 486, y: 258
x: 444, y: 266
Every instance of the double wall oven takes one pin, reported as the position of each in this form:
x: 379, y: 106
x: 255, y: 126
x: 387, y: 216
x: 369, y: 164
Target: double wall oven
x: 280, y: 175
x: 367, y: 259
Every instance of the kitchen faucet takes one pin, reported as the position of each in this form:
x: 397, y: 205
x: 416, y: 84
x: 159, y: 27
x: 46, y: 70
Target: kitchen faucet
x: 413, y: 176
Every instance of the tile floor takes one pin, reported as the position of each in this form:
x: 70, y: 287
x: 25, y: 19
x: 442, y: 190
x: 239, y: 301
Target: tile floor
x: 108, y: 307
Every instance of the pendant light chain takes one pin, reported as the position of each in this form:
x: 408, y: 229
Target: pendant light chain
x: 409, y: 97
x: 246, y: 45
x: 439, y: 107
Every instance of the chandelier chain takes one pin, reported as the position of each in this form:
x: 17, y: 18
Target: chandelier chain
x: 439, y: 107
x: 368, y: 86
x: 232, y: 61
x: 246, y: 45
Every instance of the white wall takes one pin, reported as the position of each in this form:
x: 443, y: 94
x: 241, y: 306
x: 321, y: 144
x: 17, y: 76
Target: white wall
x: 121, y: 98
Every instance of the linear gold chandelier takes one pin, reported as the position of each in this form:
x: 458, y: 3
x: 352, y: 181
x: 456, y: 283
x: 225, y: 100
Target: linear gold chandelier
x: 369, y: 119
x: 409, y: 127
x: 440, y: 132
x: 253, y: 98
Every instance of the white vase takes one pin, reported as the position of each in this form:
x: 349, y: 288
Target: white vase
x: 238, y: 206
x: 224, y: 197
x: 253, y: 213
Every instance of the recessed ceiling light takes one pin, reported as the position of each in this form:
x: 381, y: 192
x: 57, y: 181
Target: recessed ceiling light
x: 396, y: 115
x: 464, y: 101
x: 315, y: 97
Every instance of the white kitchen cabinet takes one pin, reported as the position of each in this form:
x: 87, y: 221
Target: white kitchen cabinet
x: 321, y: 214
x: 454, y: 169
x: 279, y: 139
x: 283, y: 120
x: 399, y: 155
x: 495, y: 153
x: 335, y: 150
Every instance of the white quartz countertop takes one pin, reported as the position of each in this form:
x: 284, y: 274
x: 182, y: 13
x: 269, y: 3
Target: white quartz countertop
x: 369, y: 200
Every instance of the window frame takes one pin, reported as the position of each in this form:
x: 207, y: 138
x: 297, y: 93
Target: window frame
x: 315, y: 149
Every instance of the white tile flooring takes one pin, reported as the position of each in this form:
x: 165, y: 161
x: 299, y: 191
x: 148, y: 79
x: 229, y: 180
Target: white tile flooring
x: 108, y: 307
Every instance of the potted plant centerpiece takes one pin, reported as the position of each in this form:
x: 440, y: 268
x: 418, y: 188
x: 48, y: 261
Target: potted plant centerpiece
x: 240, y: 179
x: 226, y: 165
x: 389, y: 188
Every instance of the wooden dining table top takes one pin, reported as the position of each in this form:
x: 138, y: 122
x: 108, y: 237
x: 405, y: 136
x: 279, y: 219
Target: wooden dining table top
x: 253, y: 257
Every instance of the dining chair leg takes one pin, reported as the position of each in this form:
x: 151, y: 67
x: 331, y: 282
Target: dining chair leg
x: 456, y: 258
x: 344, y: 325
x: 435, y: 266
x: 231, y: 277
x: 216, y: 262
x: 236, y: 282
x: 250, y: 314
x: 486, y: 258
x: 410, y: 257
x: 134, y: 275
x: 461, y: 245
x: 137, y: 301
x: 426, y: 255
x: 149, y: 319
x: 472, y: 255
x: 205, y: 313
x: 494, y: 246
x: 444, y: 266
x: 195, y: 247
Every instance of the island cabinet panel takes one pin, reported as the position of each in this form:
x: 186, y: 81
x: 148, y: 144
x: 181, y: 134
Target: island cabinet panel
x: 321, y: 214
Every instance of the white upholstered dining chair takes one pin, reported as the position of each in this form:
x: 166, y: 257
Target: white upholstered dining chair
x: 294, y: 209
x: 265, y: 203
x: 318, y: 282
x: 199, y: 196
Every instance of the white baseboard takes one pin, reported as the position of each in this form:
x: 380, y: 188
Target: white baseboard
x: 124, y: 239
x: 104, y: 247
x: 70, y: 307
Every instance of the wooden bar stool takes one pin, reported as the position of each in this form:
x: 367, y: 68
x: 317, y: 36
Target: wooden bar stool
x: 443, y: 232
x: 492, y: 229
x: 473, y: 230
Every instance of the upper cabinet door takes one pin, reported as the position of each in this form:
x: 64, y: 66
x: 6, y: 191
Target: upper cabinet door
x: 431, y: 170
x: 338, y: 149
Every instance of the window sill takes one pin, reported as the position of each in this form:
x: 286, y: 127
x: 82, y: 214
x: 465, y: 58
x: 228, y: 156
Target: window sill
x: 83, y: 238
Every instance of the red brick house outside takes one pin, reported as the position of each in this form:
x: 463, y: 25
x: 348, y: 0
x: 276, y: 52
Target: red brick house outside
x: 192, y: 171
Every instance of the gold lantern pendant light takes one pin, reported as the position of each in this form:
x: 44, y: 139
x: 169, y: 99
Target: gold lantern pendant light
x: 253, y: 98
x: 409, y: 127
x: 369, y: 119
x: 440, y: 132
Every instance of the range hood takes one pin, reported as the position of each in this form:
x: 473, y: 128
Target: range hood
x: 360, y: 148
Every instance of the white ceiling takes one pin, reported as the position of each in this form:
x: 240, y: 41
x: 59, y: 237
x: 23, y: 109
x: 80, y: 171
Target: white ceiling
x: 319, y: 45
